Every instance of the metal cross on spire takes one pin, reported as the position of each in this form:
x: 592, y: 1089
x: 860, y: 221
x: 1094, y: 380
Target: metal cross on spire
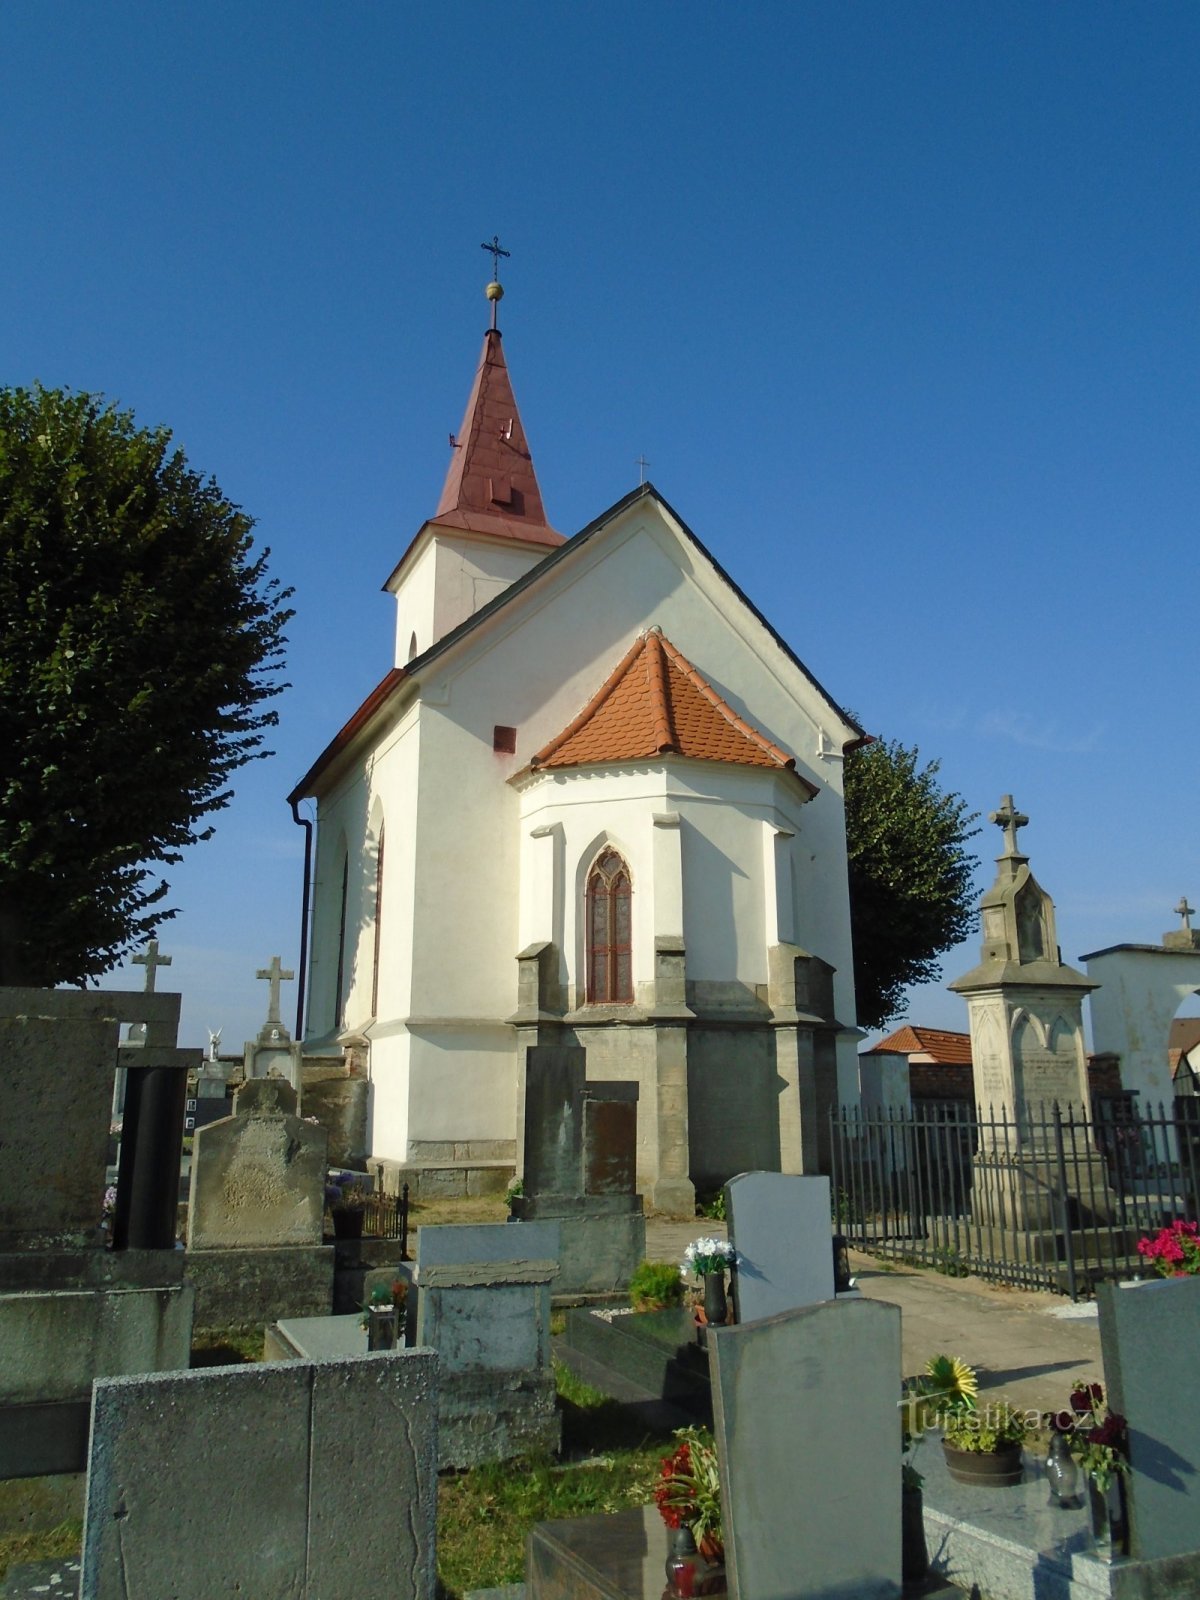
x: 641, y: 464
x: 1010, y: 819
x: 494, y: 290
x: 151, y: 960
x: 1185, y: 911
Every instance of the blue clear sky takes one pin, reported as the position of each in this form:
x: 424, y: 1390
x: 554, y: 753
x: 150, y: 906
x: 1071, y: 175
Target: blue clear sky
x: 898, y: 300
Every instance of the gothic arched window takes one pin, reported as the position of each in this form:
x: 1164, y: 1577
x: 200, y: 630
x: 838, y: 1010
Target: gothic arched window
x: 609, y: 958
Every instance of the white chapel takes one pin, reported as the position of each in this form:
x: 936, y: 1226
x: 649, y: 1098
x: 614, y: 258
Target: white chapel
x: 597, y: 800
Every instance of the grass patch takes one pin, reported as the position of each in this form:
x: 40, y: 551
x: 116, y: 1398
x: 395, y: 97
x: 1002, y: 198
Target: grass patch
x: 473, y: 1208
x: 65, y: 1540
x: 485, y: 1515
x: 226, y: 1347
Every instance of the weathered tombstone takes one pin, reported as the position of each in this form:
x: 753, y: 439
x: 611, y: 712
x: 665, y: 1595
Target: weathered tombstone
x: 481, y: 1299
x: 779, y: 1225
x: 72, y: 1309
x: 273, y: 1052
x: 1148, y: 1341
x: 808, y: 1438
x: 1027, y: 1044
x: 256, y: 1211
x: 324, y: 1472
x: 580, y: 1152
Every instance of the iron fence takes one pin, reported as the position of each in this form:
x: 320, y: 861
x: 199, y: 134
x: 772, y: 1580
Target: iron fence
x: 1056, y: 1200
x: 386, y: 1216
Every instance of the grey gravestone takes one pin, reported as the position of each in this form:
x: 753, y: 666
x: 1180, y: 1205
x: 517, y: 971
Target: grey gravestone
x: 580, y: 1154
x: 808, y: 1436
x: 553, y: 1100
x: 258, y: 1181
x: 325, y: 1472
x: 484, y: 1294
x: 1148, y: 1340
x: 780, y: 1228
x: 483, y: 1303
x: 267, y: 1095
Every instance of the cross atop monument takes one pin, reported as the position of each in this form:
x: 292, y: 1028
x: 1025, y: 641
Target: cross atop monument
x: 151, y: 960
x: 1010, y: 819
x: 274, y: 975
x: 1185, y: 911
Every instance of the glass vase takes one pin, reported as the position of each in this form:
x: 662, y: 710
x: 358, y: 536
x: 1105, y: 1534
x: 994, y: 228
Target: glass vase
x: 1062, y: 1471
x: 1110, y: 1518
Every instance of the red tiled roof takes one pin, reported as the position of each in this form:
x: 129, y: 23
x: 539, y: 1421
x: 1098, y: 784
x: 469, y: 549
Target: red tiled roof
x: 491, y: 486
x: 947, y: 1049
x: 656, y: 703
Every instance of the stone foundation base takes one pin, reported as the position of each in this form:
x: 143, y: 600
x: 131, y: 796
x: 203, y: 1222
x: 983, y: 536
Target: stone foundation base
x: 494, y: 1416
x: 446, y: 1180
x: 260, y: 1286
x: 599, y: 1251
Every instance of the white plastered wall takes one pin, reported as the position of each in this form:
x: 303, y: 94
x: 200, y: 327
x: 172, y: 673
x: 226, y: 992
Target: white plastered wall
x: 448, y: 578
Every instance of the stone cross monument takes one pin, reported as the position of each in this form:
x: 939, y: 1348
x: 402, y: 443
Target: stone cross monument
x: 1026, y: 1014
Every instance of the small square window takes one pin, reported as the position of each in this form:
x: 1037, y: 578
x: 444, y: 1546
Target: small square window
x: 504, y: 740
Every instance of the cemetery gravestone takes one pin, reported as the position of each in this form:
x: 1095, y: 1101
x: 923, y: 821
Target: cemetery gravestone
x: 779, y: 1225
x: 482, y: 1301
x: 1148, y: 1340
x: 808, y: 1435
x: 324, y: 1472
x: 72, y: 1309
x: 580, y: 1150
x: 256, y: 1211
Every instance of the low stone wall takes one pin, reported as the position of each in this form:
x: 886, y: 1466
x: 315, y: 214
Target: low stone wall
x: 260, y: 1286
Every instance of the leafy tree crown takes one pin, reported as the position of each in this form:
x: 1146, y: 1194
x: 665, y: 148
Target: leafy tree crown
x: 140, y: 639
x: 911, y: 891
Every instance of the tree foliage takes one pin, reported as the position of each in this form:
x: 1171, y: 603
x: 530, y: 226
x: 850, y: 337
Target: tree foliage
x: 911, y: 894
x: 139, y: 642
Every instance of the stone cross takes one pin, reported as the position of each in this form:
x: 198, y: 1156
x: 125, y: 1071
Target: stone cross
x: 1010, y: 819
x: 274, y: 975
x: 151, y: 960
x: 1185, y: 911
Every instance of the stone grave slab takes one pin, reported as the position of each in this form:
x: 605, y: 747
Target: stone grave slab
x: 1148, y: 1339
x: 779, y: 1224
x: 807, y: 1430
x: 291, y: 1454
x: 258, y: 1181
x: 484, y: 1294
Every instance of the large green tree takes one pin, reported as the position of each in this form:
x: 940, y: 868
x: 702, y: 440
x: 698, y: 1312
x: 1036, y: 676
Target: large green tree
x: 140, y: 639
x: 911, y: 892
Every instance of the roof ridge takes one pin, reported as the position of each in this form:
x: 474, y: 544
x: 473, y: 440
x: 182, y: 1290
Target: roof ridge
x: 660, y: 695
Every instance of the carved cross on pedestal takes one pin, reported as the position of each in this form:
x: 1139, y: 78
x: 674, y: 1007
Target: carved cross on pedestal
x: 151, y: 960
x: 1010, y: 819
x: 1185, y: 911
x: 274, y: 975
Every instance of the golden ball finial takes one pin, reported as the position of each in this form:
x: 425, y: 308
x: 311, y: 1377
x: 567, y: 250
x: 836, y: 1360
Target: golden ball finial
x: 494, y: 290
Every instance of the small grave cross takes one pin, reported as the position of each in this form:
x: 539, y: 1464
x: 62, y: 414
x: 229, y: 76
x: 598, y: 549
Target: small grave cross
x: 151, y: 960
x: 1010, y: 819
x: 1185, y: 911
x: 274, y: 975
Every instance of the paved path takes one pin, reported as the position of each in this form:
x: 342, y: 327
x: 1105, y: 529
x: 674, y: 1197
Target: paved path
x: 1033, y: 1346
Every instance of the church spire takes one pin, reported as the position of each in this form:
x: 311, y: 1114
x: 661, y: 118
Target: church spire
x: 491, y: 486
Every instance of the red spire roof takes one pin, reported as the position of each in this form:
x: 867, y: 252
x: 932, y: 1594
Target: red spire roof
x: 491, y: 486
x: 656, y: 703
